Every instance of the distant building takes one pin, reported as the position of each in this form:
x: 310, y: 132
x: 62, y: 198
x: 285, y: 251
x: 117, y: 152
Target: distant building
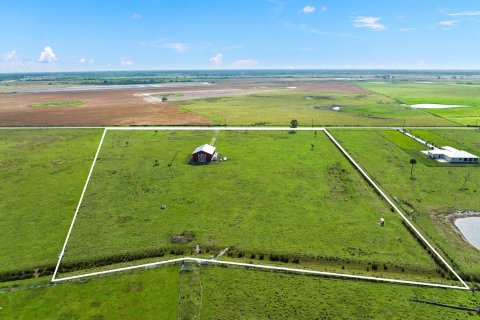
x: 204, y: 154
x: 452, y: 155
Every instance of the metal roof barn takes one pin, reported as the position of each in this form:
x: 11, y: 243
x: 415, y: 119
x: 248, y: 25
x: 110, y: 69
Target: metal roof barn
x: 203, y: 154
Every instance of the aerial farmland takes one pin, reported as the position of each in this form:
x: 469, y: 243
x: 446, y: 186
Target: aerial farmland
x: 244, y: 160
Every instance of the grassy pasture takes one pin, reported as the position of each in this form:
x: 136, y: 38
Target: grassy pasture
x: 68, y: 103
x: 437, y: 92
x: 229, y: 293
x: 434, y: 191
x: 42, y: 174
x: 278, y: 108
x: 149, y: 294
x: 240, y: 294
x: 467, y: 116
x: 281, y: 193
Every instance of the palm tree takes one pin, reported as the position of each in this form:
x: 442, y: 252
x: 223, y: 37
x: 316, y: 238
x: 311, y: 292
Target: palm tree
x: 412, y: 162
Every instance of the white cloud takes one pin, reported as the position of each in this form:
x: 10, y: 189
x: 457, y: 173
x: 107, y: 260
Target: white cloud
x: 83, y: 61
x: 217, y: 59
x: 136, y: 16
x: 369, y: 22
x: 177, y: 46
x: 10, y: 56
x: 11, y: 61
x: 244, y: 63
x: 308, y: 9
x: 126, y: 62
x: 324, y: 8
x: 465, y: 14
x: 448, y: 23
x: 47, y: 55
x: 406, y: 29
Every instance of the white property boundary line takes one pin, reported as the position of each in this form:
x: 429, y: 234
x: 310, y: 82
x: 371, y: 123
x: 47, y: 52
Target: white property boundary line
x: 377, y: 188
x: 263, y: 267
x: 273, y: 268
x: 235, y: 128
x: 78, y: 206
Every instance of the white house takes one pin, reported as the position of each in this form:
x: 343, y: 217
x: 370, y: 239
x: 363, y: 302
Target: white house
x: 452, y: 155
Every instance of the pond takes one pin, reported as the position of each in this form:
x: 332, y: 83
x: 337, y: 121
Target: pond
x: 470, y: 228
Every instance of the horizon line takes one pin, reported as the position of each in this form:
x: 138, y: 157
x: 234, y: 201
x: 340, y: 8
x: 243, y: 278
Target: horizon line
x: 255, y: 69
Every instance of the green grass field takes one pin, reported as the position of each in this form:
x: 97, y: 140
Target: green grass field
x: 240, y: 294
x: 279, y: 193
x: 42, y: 174
x: 228, y: 293
x: 434, y: 192
x: 68, y: 103
x: 436, y: 92
x: 278, y: 108
x: 149, y: 294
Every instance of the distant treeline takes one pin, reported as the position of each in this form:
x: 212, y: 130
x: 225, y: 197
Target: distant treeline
x: 143, y: 77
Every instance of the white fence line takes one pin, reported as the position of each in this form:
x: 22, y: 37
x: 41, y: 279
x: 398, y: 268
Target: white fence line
x: 262, y: 267
x: 239, y: 128
x: 98, y: 273
x: 256, y: 266
x: 379, y: 191
x: 78, y: 206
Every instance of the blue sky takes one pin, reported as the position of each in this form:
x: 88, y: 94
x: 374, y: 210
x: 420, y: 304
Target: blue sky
x: 86, y: 35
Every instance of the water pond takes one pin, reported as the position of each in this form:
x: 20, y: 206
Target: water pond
x: 470, y: 228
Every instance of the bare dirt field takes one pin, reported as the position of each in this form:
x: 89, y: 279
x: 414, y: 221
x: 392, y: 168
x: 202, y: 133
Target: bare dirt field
x: 142, y: 105
x: 156, y: 97
x: 103, y: 107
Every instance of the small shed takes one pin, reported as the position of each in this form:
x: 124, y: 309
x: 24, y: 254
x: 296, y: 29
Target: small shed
x: 204, y: 154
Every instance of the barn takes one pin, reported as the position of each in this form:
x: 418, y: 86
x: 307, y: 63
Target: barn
x: 204, y: 154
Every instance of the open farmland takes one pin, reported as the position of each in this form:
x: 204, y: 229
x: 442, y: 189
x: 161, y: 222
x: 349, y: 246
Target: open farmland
x: 98, y: 107
x: 234, y: 293
x: 324, y: 108
x: 439, y: 92
x: 42, y: 174
x: 224, y: 293
x: 300, y: 199
x: 151, y: 294
x: 241, y: 102
x: 435, y: 192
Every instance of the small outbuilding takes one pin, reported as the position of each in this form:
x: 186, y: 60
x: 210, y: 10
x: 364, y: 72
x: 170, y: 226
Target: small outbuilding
x: 204, y: 154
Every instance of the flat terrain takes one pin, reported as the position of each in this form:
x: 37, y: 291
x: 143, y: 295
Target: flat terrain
x: 225, y: 293
x: 439, y: 92
x: 102, y: 107
x: 200, y: 94
x: 434, y: 192
x: 42, y: 174
x: 289, y: 195
x: 225, y: 102
x: 322, y: 107
x: 240, y: 294
x: 148, y: 295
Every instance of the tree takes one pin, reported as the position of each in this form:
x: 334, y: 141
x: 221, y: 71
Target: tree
x: 293, y: 123
x: 467, y: 177
x: 412, y: 162
x: 164, y: 99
